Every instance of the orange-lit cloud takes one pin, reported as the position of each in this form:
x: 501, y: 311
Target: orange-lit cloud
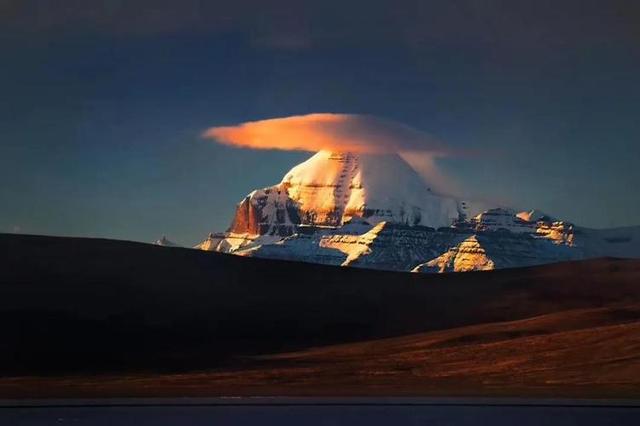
x: 337, y: 132
x: 344, y: 132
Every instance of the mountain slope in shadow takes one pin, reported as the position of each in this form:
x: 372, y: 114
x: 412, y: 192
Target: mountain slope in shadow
x: 71, y: 305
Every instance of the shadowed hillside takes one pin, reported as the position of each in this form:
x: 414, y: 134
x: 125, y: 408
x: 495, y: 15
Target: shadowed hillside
x: 72, y: 305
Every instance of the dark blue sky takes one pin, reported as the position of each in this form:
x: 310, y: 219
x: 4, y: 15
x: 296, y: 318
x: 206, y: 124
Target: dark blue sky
x: 103, y: 103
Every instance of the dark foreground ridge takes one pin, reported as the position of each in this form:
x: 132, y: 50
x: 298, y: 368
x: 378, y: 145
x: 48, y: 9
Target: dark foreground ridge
x: 80, y: 305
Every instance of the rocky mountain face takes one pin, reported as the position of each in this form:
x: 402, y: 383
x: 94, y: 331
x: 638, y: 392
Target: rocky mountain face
x: 497, y: 250
x: 374, y: 211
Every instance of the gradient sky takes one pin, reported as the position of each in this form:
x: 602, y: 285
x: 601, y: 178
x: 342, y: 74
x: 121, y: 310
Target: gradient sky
x: 103, y: 103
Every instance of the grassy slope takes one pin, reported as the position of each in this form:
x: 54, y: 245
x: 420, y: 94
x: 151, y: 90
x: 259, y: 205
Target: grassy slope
x: 93, y: 307
x: 580, y: 353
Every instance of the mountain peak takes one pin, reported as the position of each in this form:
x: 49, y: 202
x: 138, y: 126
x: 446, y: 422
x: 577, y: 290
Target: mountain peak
x: 331, y: 188
x: 165, y: 242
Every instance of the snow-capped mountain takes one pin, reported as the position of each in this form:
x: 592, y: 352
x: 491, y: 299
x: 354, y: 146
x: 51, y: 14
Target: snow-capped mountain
x: 496, y: 250
x: 331, y: 188
x: 165, y: 242
x: 374, y: 211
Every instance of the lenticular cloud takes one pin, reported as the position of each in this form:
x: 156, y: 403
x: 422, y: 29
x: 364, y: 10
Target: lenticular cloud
x: 325, y: 131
